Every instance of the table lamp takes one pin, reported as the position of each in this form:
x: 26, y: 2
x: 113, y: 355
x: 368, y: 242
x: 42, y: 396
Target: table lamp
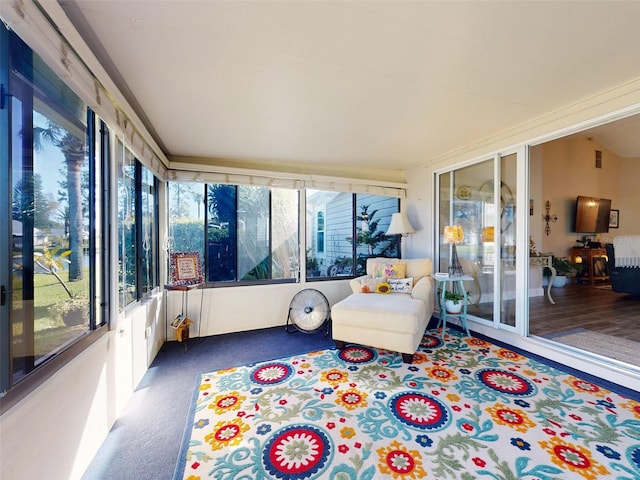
x: 400, y: 225
x: 453, y: 235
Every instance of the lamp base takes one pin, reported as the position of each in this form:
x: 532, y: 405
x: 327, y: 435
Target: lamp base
x: 454, y: 266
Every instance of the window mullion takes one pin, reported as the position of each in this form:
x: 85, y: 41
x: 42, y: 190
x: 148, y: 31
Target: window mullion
x: 105, y: 206
x: 354, y: 233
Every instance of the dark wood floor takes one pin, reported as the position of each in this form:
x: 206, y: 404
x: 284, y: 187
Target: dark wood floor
x: 578, y: 306
x: 583, y: 306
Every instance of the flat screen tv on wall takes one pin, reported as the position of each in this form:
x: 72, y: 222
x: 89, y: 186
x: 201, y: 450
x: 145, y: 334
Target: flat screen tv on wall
x: 592, y: 215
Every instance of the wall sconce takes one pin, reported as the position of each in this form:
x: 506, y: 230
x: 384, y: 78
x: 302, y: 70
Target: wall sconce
x: 400, y: 225
x: 548, y: 217
x: 453, y: 234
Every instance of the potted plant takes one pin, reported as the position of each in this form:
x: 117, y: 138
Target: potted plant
x: 565, y: 268
x: 453, y: 301
x: 74, y: 311
x: 312, y: 264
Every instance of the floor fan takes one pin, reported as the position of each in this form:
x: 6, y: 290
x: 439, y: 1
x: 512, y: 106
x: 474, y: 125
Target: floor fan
x: 309, y: 312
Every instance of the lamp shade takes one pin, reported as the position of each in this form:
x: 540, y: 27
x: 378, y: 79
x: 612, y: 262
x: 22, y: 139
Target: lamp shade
x: 399, y: 225
x: 487, y: 234
x: 453, y: 234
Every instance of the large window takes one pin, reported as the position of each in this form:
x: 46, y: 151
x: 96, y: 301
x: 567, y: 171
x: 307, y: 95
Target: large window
x: 335, y: 219
x: 137, y: 228
x: 52, y: 174
x: 251, y: 233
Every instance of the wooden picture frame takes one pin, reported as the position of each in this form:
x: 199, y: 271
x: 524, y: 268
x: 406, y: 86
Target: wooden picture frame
x: 185, y: 268
x: 614, y: 218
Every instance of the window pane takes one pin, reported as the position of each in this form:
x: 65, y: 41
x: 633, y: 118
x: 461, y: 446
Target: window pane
x: 149, y: 232
x: 49, y: 204
x: 253, y: 233
x: 221, y: 233
x: 186, y: 217
x: 331, y: 247
x: 331, y: 222
x: 285, y: 238
x: 373, y: 216
x: 126, y: 226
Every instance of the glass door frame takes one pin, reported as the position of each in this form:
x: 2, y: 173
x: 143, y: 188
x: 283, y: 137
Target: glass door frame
x: 521, y: 234
x: 522, y: 240
x: 5, y: 220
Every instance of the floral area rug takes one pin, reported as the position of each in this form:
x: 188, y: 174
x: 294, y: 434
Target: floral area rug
x: 465, y: 409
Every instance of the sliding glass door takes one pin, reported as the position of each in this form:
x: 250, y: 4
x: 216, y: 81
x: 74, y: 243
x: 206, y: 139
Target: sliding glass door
x: 482, y: 199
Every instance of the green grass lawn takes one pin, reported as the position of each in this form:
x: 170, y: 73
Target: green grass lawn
x: 50, y: 332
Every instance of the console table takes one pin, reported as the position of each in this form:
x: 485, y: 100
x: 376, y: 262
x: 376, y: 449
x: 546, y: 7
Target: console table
x: 545, y: 261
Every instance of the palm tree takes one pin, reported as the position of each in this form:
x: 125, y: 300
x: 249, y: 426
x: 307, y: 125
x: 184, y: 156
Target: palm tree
x: 369, y: 235
x: 73, y: 149
x: 29, y: 201
x: 199, y: 199
x: 51, y: 261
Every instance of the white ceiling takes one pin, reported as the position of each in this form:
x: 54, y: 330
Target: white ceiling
x: 366, y: 84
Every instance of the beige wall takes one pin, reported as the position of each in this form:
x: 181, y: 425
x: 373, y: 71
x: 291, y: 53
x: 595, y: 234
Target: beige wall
x: 629, y: 200
x: 216, y: 311
x: 536, y: 227
x: 567, y: 169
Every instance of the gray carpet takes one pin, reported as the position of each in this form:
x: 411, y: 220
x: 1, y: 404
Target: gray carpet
x: 606, y: 345
x: 144, y: 443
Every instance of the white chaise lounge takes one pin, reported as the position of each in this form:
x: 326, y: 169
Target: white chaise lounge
x: 394, y: 321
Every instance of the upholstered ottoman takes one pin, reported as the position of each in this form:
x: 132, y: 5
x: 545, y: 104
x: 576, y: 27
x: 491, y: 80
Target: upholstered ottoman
x: 394, y: 321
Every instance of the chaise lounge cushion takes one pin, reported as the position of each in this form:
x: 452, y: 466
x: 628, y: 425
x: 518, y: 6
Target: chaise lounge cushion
x: 394, y: 312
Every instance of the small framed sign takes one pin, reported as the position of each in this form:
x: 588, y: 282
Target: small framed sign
x: 185, y: 268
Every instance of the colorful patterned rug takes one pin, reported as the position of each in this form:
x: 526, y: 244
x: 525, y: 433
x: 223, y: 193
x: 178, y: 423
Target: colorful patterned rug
x: 465, y: 409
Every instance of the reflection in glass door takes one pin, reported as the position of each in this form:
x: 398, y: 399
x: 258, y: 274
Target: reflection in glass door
x: 466, y: 199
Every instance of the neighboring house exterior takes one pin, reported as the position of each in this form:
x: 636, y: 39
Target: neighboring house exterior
x: 330, y: 241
